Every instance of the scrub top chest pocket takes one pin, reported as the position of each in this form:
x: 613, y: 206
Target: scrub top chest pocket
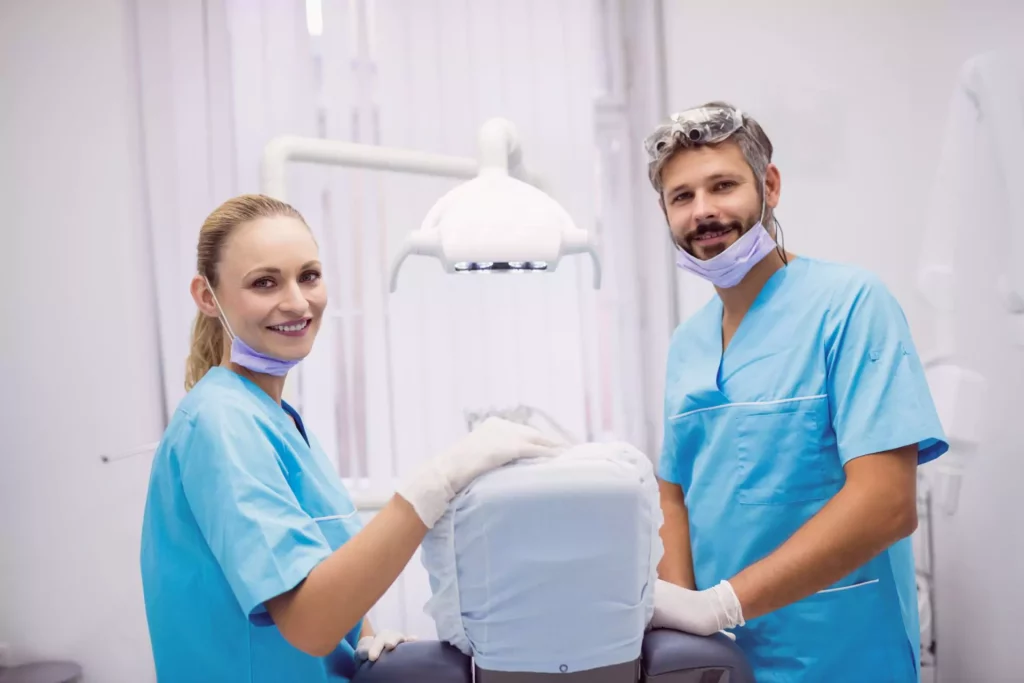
x: 786, y: 452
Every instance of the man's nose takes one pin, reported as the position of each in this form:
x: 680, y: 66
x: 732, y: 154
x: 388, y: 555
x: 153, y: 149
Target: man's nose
x: 703, y: 209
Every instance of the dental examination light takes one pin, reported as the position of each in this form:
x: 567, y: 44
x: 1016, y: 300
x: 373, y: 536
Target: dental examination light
x: 499, y: 221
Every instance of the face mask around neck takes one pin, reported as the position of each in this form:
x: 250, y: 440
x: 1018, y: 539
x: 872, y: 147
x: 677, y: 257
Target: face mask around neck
x: 249, y: 358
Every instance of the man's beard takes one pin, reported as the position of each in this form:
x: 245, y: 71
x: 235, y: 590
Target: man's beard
x: 712, y: 227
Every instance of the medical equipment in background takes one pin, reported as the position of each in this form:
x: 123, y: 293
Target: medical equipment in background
x: 984, y: 116
x: 499, y: 221
x: 960, y: 397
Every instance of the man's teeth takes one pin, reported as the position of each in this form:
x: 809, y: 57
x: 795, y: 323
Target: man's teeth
x: 290, y: 328
x: 712, y: 235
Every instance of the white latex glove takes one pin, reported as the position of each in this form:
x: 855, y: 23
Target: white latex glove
x: 701, y: 613
x: 371, y: 647
x: 496, y: 442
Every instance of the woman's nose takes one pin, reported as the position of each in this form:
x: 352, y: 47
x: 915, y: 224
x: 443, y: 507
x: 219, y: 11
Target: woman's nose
x: 294, y: 300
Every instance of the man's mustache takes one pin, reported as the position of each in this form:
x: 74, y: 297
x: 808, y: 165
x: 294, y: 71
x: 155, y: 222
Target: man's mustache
x: 715, y: 226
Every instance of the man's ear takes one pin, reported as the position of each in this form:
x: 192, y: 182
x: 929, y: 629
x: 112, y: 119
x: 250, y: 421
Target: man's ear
x: 772, y: 186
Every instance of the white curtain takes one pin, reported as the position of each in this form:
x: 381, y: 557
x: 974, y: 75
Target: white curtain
x: 393, y: 375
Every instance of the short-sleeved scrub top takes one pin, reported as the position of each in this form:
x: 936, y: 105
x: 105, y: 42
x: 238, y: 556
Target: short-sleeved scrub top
x: 242, y: 505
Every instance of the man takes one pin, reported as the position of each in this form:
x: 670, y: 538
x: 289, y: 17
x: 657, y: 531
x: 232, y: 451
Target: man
x: 796, y: 414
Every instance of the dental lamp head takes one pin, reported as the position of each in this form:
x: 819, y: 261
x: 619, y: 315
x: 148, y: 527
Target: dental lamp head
x: 497, y: 223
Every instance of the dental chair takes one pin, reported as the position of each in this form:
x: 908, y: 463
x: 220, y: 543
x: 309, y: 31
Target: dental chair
x: 544, y: 570
x: 667, y: 657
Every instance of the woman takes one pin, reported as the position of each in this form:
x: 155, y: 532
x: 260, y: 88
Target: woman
x: 255, y: 566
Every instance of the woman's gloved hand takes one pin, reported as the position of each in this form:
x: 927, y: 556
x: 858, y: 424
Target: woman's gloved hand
x: 494, y: 443
x: 701, y: 613
x: 371, y: 647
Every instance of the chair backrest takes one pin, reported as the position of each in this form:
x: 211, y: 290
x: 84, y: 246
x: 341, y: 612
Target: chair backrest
x: 548, y: 566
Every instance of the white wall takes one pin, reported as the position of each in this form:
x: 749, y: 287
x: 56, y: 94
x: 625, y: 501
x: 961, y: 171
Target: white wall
x: 854, y: 96
x: 79, y: 346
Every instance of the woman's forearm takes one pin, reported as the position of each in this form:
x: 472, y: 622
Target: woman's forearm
x: 317, y: 614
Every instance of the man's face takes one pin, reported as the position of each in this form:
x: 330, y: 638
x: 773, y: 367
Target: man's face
x: 711, y: 197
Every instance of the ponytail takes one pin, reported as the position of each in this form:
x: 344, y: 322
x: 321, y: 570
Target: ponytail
x: 208, y: 338
x: 207, y: 348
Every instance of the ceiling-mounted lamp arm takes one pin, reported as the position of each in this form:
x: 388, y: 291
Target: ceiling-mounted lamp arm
x: 499, y: 147
x: 281, y: 150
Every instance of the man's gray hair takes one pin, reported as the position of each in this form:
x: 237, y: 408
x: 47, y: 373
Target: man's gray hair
x: 754, y: 143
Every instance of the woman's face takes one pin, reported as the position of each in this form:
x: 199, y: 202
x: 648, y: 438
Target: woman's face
x: 270, y: 286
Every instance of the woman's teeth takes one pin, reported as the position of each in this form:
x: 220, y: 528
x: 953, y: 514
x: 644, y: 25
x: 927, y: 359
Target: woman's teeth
x: 290, y: 328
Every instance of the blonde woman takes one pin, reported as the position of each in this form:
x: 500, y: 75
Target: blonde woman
x: 255, y: 565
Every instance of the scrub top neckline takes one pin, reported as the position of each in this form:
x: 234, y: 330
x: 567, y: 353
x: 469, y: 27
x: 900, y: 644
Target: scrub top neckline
x: 771, y: 285
x: 276, y: 408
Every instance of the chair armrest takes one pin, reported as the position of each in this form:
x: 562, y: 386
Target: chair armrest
x: 418, y: 661
x: 676, y: 657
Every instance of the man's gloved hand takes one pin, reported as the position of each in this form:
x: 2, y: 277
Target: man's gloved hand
x: 701, y: 613
x: 371, y: 647
x: 494, y: 443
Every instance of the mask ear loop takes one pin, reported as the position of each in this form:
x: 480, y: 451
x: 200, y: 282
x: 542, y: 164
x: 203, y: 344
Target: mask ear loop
x: 778, y: 226
x: 780, y: 248
x: 220, y: 311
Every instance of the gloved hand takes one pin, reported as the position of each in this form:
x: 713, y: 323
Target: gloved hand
x: 371, y: 647
x: 494, y: 443
x: 701, y: 613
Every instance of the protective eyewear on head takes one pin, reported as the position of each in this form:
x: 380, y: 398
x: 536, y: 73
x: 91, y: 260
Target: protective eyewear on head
x: 702, y: 126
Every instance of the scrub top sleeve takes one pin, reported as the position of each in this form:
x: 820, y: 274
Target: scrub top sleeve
x: 878, y: 394
x: 668, y: 460
x: 263, y: 540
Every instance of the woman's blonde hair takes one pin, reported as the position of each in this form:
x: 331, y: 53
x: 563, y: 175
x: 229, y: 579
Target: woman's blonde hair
x: 208, y: 337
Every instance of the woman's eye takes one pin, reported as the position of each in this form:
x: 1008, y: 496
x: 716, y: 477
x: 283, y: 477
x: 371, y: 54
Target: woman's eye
x: 263, y: 283
x: 310, y: 276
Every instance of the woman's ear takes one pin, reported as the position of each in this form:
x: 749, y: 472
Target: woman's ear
x: 203, y: 297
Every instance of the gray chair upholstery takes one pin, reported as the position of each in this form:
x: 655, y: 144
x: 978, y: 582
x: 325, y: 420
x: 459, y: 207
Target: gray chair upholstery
x: 667, y: 657
x: 674, y: 657
x: 418, y: 662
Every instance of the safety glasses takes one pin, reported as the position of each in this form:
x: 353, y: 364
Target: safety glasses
x: 700, y: 126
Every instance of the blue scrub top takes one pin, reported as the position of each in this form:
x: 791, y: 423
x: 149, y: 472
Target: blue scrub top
x: 821, y: 370
x: 241, y: 507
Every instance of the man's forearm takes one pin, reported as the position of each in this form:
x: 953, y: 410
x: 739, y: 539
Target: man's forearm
x: 858, y: 523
